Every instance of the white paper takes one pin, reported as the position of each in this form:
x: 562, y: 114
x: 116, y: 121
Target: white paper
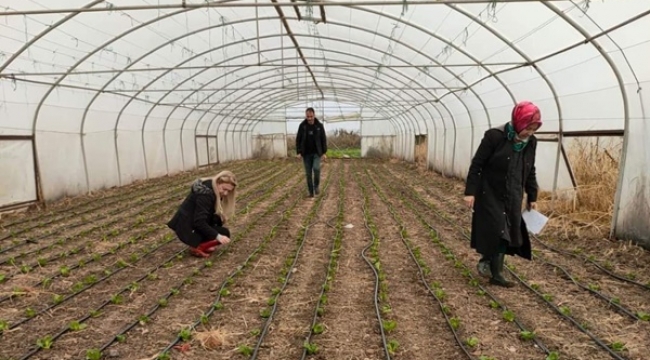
x: 535, y: 221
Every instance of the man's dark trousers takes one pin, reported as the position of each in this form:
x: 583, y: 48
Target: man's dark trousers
x: 312, y: 165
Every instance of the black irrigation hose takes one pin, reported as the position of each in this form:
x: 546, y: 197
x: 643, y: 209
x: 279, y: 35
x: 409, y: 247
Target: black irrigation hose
x: 206, y: 264
x: 405, y: 241
x: 87, y: 261
x: 96, y: 257
x: 165, y: 200
x: 228, y: 279
x: 118, y: 196
x: 593, y: 262
x: 579, y: 256
x: 314, y: 210
x: 88, y: 286
x: 609, y: 300
x: 336, y: 246
x: 366, y: 216
x: 106, y: 303
x: 553, y: 306
x: 80, y: 291
x: 176, y: 190
x: 467, y: 273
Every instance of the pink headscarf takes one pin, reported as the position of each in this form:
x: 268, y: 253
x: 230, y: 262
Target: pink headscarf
x: 524, y: 114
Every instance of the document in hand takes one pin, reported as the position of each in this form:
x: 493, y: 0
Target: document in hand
x: 535, y: 221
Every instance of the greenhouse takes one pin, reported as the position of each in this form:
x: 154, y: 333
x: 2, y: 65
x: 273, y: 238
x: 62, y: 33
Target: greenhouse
x: 111, y: 110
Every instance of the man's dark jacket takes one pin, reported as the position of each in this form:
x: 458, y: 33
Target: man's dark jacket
x: 320, y: 137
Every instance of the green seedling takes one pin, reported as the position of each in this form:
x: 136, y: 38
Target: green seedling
x: 318, y: 329
x: 643, y: 316
x: 218, y: 306
x: 617, y: 346
x: 472, y: 342
x: 392, y: 346
x: 509, y: 316
x: 265, y: 313
x: 117, y: 299
x: 76, y: 326
x: 455, y: 323
x: 163, y: 302
x: 44, y: 343
x: 553, y: 355
x: 185, y: 334
x: 255, y: 332
x: 120, y: 338
x: 527, y: 335
x: 30, y: 313
x: 57, y: 299
x: 245, y: 350
x: 311, y: 348
x: 565, y: 310
x: 389, y: 325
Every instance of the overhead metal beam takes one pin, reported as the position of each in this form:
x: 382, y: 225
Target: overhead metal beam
x: 239, y: 4
x: 220, y: 66
x: 295, y: 43
x: 297, y: 10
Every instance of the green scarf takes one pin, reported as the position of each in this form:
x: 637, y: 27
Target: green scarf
x: 511, y: 133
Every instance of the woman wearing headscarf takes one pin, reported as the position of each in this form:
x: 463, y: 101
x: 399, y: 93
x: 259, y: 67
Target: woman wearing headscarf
x: 503, y: 168
x: 200, y: 219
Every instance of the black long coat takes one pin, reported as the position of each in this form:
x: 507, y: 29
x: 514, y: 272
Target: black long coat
x: 487, y: 182
x: 195, y: 221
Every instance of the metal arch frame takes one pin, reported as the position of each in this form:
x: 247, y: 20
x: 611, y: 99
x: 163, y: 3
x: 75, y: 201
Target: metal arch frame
x: 541, y: 73
x: 88, y: 56
x: 411, y: 25
x: 292, y: 90
x: 626, y: 107
x: 182, y: 11
x: 142, y: 26
x: 452, y: 73
x: 399, y: 125
x: 465, y: 53
x: 38, y: 180
x: 254, y: 115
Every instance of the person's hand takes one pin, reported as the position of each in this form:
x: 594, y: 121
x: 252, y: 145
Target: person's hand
x: 224, y: 239
x: 323, y: 157
x: 469, y: 201
x: 298, y: 156
x: 532, y: 205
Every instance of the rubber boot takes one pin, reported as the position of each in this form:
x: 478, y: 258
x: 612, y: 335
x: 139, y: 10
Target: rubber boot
x: 496, y: 267
x: 209, y: 246
x: 483, y: 267
x: 198, y: 253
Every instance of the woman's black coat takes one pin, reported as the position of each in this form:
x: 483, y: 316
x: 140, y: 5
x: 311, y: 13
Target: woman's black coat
x: 486, y: 181
x: 195, y: 221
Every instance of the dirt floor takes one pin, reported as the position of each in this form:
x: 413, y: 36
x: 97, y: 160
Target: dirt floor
x: 377, y: 266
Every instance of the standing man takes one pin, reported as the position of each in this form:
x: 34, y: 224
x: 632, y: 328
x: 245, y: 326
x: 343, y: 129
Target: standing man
x: 311, y: 145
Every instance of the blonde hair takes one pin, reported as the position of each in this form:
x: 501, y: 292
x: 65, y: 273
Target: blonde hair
x: 225, y: 207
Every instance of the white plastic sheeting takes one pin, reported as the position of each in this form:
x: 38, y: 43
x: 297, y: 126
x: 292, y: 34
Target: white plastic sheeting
x: 18, y: 187
x: 113, y: 93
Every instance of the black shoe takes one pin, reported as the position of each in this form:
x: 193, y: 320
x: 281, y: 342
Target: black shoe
x: 496, y: 267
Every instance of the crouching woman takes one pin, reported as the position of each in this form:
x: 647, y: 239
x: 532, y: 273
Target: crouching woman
x: 200, y: 220
x: 502, y: 170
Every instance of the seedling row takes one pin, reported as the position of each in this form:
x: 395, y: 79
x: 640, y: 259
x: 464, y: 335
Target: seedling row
x: 594, y: 322
x: 377, y: 266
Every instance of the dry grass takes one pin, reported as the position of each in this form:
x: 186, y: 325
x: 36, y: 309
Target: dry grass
x: 340, y: 139
x: 589, y: 209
